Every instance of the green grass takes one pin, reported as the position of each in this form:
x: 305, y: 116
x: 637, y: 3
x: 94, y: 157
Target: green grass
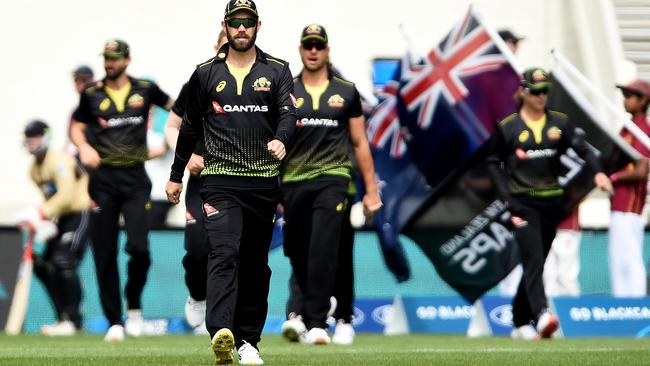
x: 367, y: 350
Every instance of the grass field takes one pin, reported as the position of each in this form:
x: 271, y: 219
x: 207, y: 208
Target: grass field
x: 367, y: 350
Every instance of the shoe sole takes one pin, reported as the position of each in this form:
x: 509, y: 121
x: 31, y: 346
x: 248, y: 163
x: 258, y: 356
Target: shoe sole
x: 222, y: 345
x: 550, y: 328
x: 320, y: 341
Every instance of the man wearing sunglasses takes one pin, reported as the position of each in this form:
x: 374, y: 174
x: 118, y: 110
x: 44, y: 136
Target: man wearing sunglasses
x: 528, y: 145
x: 240, y: 104
x: 315, y: 179
x: 627, y: 270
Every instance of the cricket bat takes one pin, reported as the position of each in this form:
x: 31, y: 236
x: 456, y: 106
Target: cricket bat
x: 21, y: 292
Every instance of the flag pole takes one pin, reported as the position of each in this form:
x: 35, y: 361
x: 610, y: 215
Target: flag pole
x: 627, y: 122
x: 501, y: 45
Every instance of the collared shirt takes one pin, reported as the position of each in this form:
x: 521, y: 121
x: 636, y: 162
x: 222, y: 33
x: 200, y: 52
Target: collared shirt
x: 321, y: 144
x: 631, y: 196
x: 236, y: 126
x: 532, y: 158
x: 117, y: 129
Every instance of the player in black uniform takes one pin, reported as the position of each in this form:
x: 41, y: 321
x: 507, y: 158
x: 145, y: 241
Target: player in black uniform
x: 316, y: 176
x: 529, y: 143
x: 242, y: 103
x: 113, y: 114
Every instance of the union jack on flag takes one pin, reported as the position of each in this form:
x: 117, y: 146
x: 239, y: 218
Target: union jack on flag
x: 383, y: 125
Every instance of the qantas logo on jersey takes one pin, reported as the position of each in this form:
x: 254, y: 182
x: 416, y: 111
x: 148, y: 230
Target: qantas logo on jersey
x: 535, y: 154
x: 227, y: 108
x: 317, y: 122
x: 121, y: 121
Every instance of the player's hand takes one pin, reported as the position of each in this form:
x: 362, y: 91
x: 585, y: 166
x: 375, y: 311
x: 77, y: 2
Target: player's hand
x: 45, y: 231
x: 371, y: 204
x: 195, y: 165
x: 602, y: 181
x: 276, y: 148
x: 173, y: 191
x: 89, y: 156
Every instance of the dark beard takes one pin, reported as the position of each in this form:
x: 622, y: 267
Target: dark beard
x: 115, y: 74
x: 237, y: 45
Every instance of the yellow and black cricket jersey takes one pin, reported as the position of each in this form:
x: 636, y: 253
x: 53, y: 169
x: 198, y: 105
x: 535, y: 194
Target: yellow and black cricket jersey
x: 237, y: 119
x: 531, y: 152
x: 117, y: 120
x: 321, y: 143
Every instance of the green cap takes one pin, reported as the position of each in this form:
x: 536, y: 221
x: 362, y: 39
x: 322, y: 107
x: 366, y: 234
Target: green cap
x: 240, y: 5
x: 536, y: 78
x: 314, y: 32
x: 116, y: 48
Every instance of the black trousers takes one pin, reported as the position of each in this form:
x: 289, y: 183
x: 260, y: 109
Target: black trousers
x: 535, y: 239
x: 57, y: 266
x: 115, y: 191
x: 239, y: 219
x: 344, y: 283
x: 196, y: 244
x: 313, y: 213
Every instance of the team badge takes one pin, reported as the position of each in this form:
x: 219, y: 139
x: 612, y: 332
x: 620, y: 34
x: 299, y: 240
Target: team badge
x: 243, y: 3
x: 554, y: 133
x: 220, y: 86
x: 299, y: 102
x: 262, y: 84
x: 136, y: 101
x: 313, y: 29
x: 217, y: 108
x: 336, y: 101
x: 104, y: 105
x: 209, y: 210
x: 523, y: 136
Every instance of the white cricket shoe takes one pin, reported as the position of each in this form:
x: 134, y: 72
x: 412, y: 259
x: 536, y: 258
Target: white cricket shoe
x: 202, y: 329
x: 249, y: 355
x: 294, y: 329
x: 115, y: 333
x: 62, y: 328
x: 317, y: 336
x: 194, y: 312
x: 134, y: 323
x: 222, y: 345
x: 547, y: 324
x: 525, y: 332
x: 343, y: 333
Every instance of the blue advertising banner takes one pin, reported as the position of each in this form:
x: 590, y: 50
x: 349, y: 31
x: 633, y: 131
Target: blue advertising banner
x: 439, y: 314
x: 371, y: 315
x: 603, y: 316
x: 498, y: 311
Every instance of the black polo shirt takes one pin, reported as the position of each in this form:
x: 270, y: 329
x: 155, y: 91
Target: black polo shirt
x: 321, y: 144
x: 120, y: 137
x: 237, y: 127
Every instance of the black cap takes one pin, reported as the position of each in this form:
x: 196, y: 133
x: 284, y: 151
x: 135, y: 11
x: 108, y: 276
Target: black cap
x: 116, y: 48
x: 507, y: 35
x: 536, y: 78
x: 36, y: 128
x: 83, y: 70
x: 314, y: 32
x: 240, y: 5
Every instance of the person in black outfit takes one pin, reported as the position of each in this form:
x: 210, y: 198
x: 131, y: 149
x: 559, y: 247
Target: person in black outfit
x: 242, y: 103
x: 529, y: 144
x: 110, y: 129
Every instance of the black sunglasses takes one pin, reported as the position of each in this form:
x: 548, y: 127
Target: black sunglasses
x: 310, y: 45
x: 538, y: 92
x: 246, y: 22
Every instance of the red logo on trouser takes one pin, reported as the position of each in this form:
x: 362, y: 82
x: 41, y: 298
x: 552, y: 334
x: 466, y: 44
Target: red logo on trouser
x: 189, y: 218
x: 209, y: 210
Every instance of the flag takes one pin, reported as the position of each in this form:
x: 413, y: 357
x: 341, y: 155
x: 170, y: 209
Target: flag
x: 450, y: 102
x: 465, y: 229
